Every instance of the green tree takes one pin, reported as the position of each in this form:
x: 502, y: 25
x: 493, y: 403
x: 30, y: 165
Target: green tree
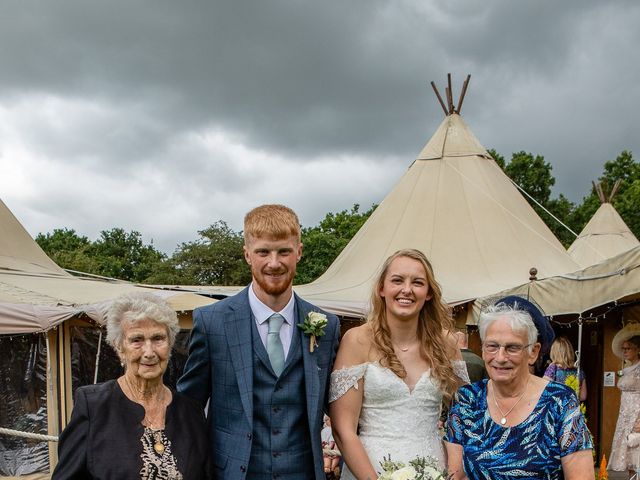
x: 627, y: 205
x: 123, y: 255
x: 533, y: 175
x: 623, y: 168
x: 116, y: 253
x: 324, y: 242
x: 217, y: 258
x: 68, y: 249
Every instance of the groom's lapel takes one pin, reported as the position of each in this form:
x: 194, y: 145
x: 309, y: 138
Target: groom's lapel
x: 311, y: 379
x: 237, y: 327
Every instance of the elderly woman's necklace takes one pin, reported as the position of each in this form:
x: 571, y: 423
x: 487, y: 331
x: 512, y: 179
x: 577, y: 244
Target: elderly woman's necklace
x: 503, y: 420
x: 158, y: 443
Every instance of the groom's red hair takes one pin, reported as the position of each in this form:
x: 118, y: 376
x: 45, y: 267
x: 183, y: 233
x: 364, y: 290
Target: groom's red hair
x: 275, y: 221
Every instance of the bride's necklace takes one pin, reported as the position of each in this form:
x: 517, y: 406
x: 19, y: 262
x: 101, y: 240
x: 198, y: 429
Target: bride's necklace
x: 405, y: 349
x: 503, y: 420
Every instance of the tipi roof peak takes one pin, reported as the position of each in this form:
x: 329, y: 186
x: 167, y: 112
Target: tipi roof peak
x: 453, y: 138
x: 450, y: 107
x: 600, y: 191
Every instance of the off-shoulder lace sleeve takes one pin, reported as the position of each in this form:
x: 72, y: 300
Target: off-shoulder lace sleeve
x: 460, y: 369
x: 344, y: 379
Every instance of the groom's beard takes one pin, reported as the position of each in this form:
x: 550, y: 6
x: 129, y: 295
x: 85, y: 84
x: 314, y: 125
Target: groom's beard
x: 270, y: 285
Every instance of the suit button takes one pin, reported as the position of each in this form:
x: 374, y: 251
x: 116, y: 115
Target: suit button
x: 276, y: 454
x: 276, y: 431
x: 243, y: 468
x: 249, y: 436
x: 276, y: 409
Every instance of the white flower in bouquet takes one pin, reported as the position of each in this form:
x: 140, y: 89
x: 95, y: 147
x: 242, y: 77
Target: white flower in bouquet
x: 419, y: 468
x: 405, y: 473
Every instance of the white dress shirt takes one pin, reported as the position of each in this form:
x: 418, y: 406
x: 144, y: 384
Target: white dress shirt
x: 262, y: 313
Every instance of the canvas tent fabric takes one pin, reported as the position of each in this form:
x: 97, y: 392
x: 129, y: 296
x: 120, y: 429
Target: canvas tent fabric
x: 616, y: 279
x: 18, y: 251
x: 36, y: 294
x: 604, y: 236
x: 456, y: 205
x: 34, y: 303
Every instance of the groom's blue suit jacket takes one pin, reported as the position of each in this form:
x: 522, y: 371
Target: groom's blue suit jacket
x: 220, y: 370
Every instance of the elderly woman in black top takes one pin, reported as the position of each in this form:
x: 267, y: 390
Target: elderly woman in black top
x: 135, y: 426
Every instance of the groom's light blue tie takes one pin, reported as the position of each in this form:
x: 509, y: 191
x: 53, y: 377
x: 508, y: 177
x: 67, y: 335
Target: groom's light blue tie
x: 275, y: 350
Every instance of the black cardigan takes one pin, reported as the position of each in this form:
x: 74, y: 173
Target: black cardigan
x: 102, y: 439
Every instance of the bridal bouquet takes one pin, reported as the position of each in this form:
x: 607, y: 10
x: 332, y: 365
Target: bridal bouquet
x: 420, y: 468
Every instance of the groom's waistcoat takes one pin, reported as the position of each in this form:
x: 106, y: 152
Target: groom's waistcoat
x: 281, y: 439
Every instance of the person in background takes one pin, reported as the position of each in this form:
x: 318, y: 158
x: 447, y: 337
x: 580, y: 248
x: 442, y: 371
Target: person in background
x: 330, y: 451
x: 261, y: 360
x: 516, y: 425
x: 563, y: 370
x: 626, y: 345
x: 134, y: 426
x: 475, y: 364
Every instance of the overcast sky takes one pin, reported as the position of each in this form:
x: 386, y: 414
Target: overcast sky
x: 165, y: 116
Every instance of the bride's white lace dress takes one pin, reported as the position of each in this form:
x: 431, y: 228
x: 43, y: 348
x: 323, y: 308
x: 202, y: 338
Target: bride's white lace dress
x: 394, y: 420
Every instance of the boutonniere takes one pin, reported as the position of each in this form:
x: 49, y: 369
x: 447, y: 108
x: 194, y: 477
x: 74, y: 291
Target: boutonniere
x: 314, y: 326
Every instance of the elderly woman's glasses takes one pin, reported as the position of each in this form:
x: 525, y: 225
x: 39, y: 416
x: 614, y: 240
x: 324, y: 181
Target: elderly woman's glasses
x: 509, y: 348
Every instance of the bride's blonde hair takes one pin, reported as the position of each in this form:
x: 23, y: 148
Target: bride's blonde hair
x: 434, y: 320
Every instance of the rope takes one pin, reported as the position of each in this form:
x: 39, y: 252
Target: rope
x: 544, y: 208
x: 36, y: 436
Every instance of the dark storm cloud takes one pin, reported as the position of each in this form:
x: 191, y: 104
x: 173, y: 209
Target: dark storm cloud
x: 196, y: 106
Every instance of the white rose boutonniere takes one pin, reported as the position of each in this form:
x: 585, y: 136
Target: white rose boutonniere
x: 314, y: 326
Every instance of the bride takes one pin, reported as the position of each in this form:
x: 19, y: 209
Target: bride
x: 392, y: 373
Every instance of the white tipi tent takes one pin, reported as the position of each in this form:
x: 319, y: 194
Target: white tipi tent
x: 36, y: 294
x: 456, y: 205
x: 604, y: 236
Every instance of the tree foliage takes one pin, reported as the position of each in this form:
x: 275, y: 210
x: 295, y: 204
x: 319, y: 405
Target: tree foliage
x: 68, y: 249
x: 115, y: 254
x: 324, y: 242
x: 123, y: 255
x: 216, y: 258
x: 533, y: 175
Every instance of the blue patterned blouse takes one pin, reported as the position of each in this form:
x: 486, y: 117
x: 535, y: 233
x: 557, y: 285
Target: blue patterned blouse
x: 531, y: 450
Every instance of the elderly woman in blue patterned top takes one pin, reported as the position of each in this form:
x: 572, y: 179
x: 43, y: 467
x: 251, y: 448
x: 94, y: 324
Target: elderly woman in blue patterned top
x: 516, y: 425
x: 135, y: 427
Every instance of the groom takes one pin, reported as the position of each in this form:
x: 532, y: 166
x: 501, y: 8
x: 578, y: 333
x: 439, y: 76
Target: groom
x: 265, y: 386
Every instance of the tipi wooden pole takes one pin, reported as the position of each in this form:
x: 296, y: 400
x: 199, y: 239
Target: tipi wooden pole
x: 435, y: 89
x: 614, y: 189
x: 450, y: 94
x: 463, y: 93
